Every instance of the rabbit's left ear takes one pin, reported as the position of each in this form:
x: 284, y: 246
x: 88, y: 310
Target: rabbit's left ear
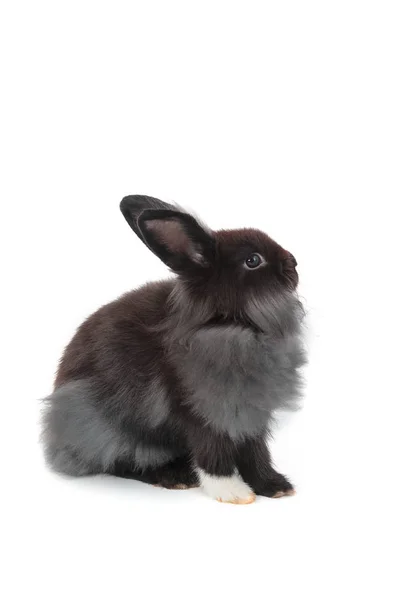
x: 177, y: 239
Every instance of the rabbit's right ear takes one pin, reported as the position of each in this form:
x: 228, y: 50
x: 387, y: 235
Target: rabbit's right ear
x: 133, y: 206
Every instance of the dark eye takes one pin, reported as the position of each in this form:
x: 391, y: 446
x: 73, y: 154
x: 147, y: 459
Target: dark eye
x: 254, y: 260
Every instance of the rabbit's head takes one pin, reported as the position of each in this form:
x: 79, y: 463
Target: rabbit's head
x: 239, y: 275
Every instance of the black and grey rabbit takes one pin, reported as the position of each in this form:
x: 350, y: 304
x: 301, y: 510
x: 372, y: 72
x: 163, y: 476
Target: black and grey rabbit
x: 175, y: 383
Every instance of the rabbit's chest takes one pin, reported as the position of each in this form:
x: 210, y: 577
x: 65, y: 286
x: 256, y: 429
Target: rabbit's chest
x: 236, y: 378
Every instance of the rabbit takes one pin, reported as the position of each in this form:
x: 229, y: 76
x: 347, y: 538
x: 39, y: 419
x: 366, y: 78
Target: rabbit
x: 175, y: 383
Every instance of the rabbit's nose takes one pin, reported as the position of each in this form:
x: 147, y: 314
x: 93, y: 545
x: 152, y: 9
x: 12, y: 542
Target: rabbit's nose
x: 289, y: 262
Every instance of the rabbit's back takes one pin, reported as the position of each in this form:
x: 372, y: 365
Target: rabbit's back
x: 119, y: 340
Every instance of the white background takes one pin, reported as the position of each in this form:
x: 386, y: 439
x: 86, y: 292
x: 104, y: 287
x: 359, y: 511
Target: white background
x: 282, y: 115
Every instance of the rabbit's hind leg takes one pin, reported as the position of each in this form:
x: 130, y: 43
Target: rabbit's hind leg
x: 175, y: 475
x: 178, y: 475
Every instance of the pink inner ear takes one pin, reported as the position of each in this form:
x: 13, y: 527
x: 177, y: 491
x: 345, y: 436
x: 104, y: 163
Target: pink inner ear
x: 171, y: 234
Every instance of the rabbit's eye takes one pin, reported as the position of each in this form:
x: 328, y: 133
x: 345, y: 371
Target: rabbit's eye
x: 254, y: 261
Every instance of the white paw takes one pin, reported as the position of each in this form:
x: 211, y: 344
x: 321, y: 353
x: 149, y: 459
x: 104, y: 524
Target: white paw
x: 226, y: 489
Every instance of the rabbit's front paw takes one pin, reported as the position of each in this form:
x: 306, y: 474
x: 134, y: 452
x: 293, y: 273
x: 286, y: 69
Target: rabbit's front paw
x: 276, y: 487
x: 226, y: 489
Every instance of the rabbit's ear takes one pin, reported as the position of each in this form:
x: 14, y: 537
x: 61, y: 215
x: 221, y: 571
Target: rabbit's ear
x: 177, y: 238
x: 132, y: 206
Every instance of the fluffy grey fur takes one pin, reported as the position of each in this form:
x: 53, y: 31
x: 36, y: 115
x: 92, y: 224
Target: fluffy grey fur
x: 80, y: 440
x: 238, y: 376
